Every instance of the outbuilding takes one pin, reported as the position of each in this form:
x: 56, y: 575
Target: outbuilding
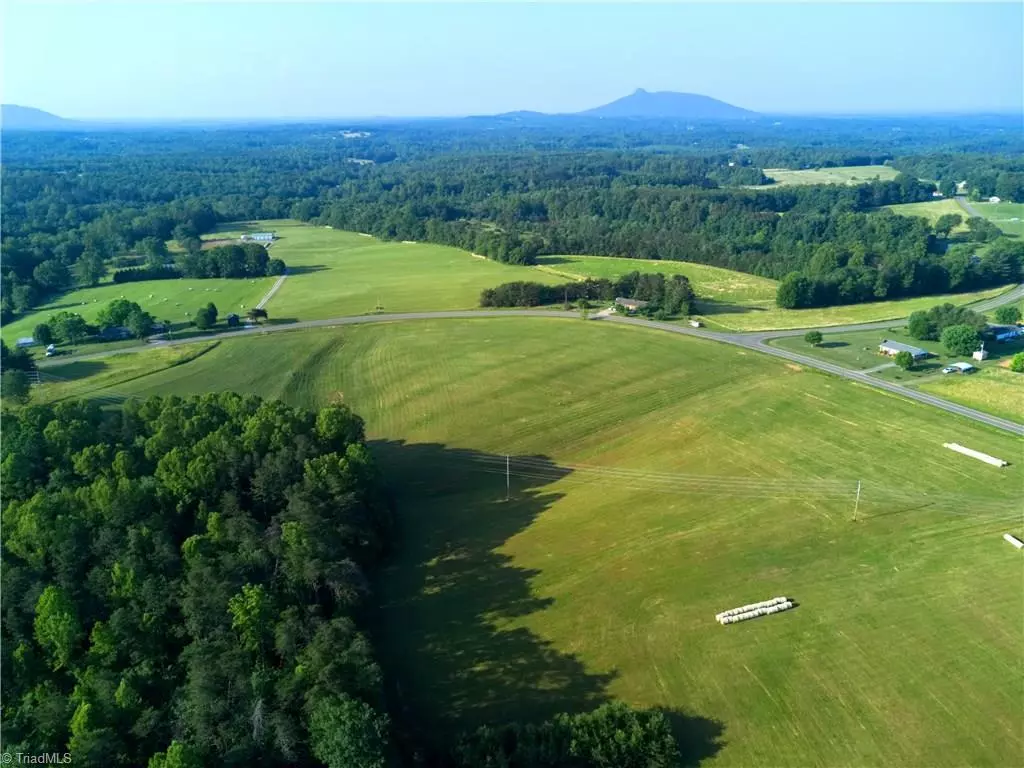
x: 1005, y: 332
x: 963, y: 367
x: 893, y: 348
x: 631, y: 304
x: 259, y: 237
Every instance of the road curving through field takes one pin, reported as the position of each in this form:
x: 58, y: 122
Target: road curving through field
x: 752, y: 341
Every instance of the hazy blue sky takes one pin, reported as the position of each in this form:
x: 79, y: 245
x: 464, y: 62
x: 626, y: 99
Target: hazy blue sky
x: 287, y: 60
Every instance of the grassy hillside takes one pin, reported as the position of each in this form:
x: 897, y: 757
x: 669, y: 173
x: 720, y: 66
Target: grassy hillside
x: 765, y: 316
x: 709, y: 283
x: 854, y: 174
x: 164, y: 299
x: 654, y: 482
x: 932, y: 210
x: 1009, y: 217
x: 343, y: 273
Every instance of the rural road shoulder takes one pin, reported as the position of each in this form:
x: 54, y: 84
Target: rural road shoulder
x: 754, y: 342
x: 273, y: 289
x: 970, y: 209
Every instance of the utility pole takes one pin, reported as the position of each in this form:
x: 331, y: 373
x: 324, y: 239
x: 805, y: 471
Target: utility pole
x: 508, y: 481
x: 856, y: 504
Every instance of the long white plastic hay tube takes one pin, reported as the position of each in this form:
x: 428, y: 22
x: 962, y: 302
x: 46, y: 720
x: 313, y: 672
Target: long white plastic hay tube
x: 744, y: 612
x: 975, y: 454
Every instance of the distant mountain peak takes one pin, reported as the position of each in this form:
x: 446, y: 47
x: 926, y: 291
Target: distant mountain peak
x: 669, y: 104
x: 15, y: 117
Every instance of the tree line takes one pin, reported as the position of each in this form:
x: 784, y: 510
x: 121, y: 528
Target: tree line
x: 665, y: 297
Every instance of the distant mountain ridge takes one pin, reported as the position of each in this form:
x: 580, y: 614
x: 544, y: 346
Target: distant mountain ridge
x: 669, y: 104
x: 640, y: 104
x: 16, y: 117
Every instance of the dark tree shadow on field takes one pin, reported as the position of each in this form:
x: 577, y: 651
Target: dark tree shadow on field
x: 306, y: 269
x: 71, y: 371
x: 833, y: 344
x: 715, y: 307
x: 447, y: 589
x: 698, y: 737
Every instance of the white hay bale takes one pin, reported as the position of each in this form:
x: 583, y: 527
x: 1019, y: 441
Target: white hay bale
x: 976, y: 454
x: 1013, y: 540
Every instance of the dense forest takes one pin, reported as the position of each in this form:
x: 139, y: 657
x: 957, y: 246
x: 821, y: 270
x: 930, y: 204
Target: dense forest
x: 75, y: 204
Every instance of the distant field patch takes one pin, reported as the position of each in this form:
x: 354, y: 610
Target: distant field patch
x: 1009, y: 217
x: 164, y: 299
x: 853, y: 174
x: 722, y: 285
x: 333, y: 273
x: 767, y: 317
x: 932, y: 210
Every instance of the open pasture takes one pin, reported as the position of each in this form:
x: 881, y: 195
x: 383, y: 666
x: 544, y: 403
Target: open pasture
x: 853, y: 174
x: 334, y: 273
x: 164, y: 299
x: 932, y: 210
x: 995, y: 389
x: 712, y: 283
x: 765, y: 316
x: 656, y: 481
x: 1009, y: 217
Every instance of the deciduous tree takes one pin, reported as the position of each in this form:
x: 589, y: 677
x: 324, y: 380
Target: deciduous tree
x: 1007, y: 315
x: 43, y: 334
x: 904, y: 360
x: 960, y: 339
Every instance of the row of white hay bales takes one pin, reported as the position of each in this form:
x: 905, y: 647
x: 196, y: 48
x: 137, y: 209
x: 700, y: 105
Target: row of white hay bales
x: 766, y: 611
x: 751, y: 607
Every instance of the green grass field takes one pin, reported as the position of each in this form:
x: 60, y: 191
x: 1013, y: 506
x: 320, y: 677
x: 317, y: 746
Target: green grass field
x: 765, y: 316
x: 854, y: 174
x: 164, y: 299
x: 932, y: 210
x: 710, y: 283
x: 995, y: 389
x: 1009, y: 217
x: 656, y: 481
x: 338, y: 273
x: 91, y: 378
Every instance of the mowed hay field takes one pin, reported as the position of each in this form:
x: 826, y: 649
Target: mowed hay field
x: 995, y: 389
x: 335, y: 273
x: 737, y: 301
x: 765, y: 316
x: 656, y: 481
x: 932, y: 210
x: 1009, y: 217
x: 164, y: 299
x: 854, y: 174
x: 709, y: 283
